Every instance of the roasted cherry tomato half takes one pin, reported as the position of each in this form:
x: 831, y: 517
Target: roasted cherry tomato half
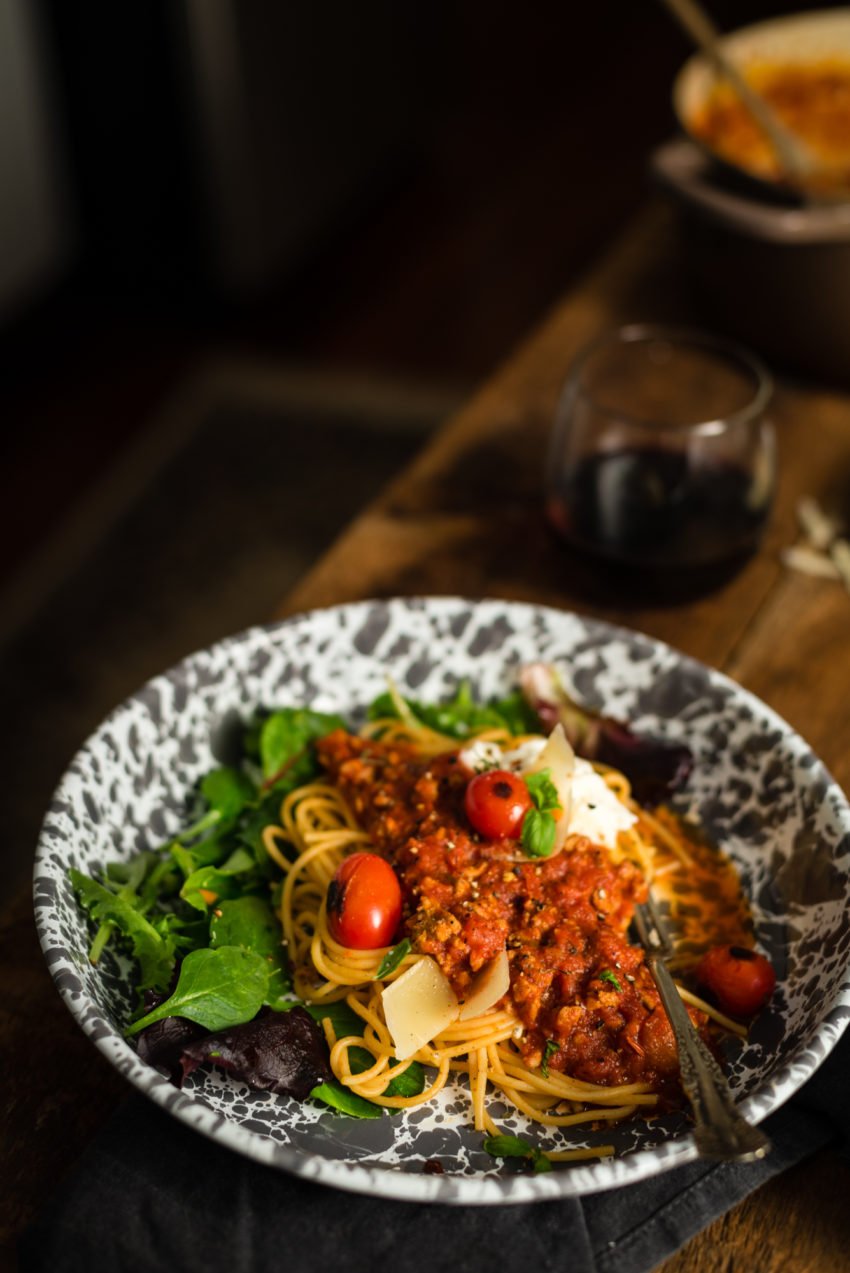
x: 740, y: 979
x: 364, y: 902
x: 496, y: 803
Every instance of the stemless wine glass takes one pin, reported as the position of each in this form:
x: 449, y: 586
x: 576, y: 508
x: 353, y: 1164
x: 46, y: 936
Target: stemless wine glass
x: 662, y: 457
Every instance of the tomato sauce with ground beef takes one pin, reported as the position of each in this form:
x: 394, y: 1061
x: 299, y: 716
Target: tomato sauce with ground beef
x: 583, y: 993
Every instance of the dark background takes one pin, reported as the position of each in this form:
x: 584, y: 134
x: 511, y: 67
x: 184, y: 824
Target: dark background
x: 406, y: 187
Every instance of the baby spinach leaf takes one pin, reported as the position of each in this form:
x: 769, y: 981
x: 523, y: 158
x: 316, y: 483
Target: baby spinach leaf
x: 344, y: 1019
x: 347, y: 1102
x: 251, y: 923
x: 285, y: 737
x: 409, y: 1083
x: 216, y: 988
x: 227, y: 791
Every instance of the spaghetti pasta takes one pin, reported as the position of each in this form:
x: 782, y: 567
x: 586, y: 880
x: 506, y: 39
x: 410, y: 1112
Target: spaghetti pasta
x: 374, y: 778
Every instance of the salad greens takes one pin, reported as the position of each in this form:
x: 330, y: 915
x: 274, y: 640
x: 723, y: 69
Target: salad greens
x: 197, y: 912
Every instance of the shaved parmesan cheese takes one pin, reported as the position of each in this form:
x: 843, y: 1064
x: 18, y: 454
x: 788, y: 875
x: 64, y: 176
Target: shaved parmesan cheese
x: 417, y: 1006
x: 492, y: 982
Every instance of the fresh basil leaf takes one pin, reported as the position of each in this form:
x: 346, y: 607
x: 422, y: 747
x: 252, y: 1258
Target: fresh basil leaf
x: 154, y: 951
x: 538, y: 834
x: 216, y: 988
x: 543, y: 791
x: 608, y: 975
x: 392, y: 959
x: 347, y: 1102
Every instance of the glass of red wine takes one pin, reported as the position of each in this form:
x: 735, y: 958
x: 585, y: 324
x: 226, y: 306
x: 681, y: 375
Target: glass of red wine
x: 662, y: 459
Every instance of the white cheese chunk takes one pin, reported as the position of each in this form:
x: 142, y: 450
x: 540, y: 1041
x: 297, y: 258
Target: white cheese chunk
x: 596, y: 812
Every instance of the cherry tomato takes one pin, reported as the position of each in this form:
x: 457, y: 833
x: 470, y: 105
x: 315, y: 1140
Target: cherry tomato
x: 740, y: 979
x: 364, y: 902
x: 496, y: 803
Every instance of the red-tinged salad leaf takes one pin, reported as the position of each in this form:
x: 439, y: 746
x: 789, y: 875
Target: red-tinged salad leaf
x: 161, y: 1044
x: 655, y: 768
x: 283, y: 1052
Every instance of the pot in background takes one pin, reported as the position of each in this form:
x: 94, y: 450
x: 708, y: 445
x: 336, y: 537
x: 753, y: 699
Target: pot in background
x: 776, y: 276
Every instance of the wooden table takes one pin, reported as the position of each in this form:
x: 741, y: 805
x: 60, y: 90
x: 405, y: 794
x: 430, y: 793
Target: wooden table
x: 466, y: 518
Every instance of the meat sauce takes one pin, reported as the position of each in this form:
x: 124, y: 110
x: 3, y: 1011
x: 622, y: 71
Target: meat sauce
x: 586, y: 1000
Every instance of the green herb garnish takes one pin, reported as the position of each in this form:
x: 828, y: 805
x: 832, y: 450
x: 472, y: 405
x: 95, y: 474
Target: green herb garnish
x: 516, y: 1147
x: 549, y: 1051
x: 538, y: 826
x: 392, y: 959
x: 607, y: 975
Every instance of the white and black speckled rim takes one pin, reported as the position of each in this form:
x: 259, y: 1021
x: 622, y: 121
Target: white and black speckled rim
x: 579, y: 1178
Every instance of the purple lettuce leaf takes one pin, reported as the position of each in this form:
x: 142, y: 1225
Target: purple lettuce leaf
x: 282, y: 1052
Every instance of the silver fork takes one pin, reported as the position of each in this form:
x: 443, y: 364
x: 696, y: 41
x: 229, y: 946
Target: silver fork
x: 720, y: 1131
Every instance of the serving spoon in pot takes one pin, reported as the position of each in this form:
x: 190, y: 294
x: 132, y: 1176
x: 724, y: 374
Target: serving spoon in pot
x: 721, y: 1132
x: 797, y: 163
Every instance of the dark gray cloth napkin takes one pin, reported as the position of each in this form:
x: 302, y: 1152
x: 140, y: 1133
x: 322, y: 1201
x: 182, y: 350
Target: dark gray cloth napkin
x: 149, y: 1194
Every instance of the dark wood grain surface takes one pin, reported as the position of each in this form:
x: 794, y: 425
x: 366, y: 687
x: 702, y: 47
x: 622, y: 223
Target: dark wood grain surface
x: 466, y: 518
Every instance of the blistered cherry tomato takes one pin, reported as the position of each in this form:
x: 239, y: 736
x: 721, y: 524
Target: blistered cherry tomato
x: 496, y: 803
x: 364, y: 902
x: 740, y: 979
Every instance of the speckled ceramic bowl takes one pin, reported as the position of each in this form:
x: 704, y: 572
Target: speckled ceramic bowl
x: 757, y: 788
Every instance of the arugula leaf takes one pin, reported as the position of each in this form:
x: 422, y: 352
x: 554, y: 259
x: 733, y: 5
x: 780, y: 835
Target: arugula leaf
x: 462, y: 715
x: 154, y: 951
x: 216, y: 988
x: 392, y: 959
x: 207, y: 885
x: 516, y: 1147
x: 608, y: 975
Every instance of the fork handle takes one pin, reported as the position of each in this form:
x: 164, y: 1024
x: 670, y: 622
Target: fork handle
x: 721, y: 1132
